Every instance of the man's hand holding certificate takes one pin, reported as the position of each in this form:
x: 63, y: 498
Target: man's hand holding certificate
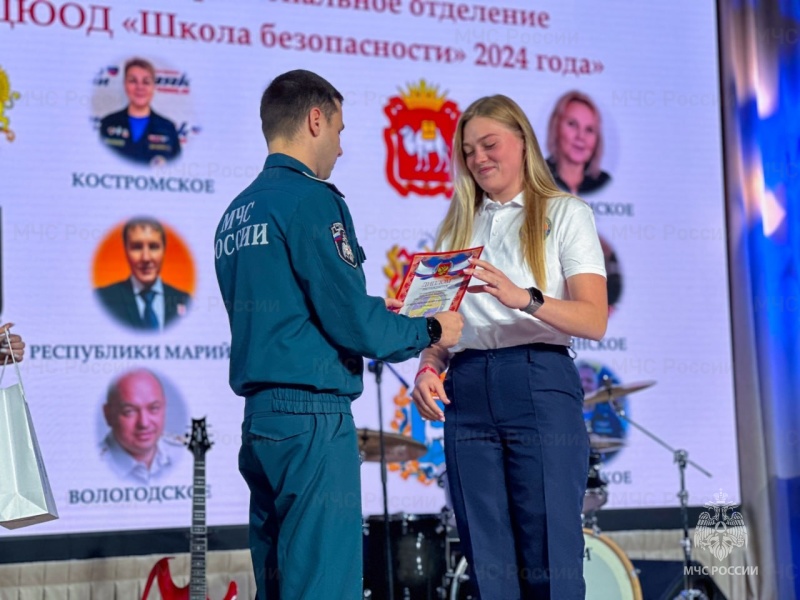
x: 436, y: 282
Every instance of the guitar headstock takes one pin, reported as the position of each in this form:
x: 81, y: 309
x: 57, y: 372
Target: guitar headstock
x: 198, y: 442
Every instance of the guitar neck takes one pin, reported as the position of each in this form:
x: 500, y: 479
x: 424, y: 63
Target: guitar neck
x: 199, y: 536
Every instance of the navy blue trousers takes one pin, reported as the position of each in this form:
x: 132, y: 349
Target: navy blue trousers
x: 517, y: 456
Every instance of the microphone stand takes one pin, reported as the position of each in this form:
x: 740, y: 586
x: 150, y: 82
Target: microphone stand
x: 681, y: 457
x: 376, y: 367
x: 402, y: 381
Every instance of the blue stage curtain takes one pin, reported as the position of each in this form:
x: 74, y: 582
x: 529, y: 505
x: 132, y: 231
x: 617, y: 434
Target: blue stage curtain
x: 760, y: 47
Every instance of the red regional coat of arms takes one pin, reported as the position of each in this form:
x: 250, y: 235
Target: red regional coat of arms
x: 422, y: 124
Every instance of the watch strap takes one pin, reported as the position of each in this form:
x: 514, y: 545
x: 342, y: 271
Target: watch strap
x: 537, y: 299
x: 434, y: 330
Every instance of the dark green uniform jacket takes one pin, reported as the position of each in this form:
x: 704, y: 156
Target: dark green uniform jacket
x: 289, y: 268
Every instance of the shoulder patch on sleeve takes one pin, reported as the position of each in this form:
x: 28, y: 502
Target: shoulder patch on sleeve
x: 342, y: 243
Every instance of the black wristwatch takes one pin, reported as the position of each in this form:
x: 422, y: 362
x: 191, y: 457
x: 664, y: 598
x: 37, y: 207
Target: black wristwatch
x: 537, y: 299
x: 434, y: 330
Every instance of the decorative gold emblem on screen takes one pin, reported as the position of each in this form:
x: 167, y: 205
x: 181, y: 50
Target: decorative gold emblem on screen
x: 7, y: 99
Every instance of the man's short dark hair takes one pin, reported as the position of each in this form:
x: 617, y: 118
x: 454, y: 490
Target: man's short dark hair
x: 142, y: 64
x: 143, y: 222
x: 289, y: 98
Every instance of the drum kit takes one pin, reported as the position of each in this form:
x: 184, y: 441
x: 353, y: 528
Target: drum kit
x: 596, y: 494
x: 424, y: 561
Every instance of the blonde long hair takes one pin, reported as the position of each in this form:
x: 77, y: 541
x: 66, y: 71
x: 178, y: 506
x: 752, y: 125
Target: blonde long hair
x: 538, y: 185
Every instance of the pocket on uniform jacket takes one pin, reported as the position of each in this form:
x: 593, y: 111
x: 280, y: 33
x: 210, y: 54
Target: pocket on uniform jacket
x: 279, y: 427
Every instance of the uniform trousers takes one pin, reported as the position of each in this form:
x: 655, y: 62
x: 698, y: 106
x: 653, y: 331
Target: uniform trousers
x: 517, y: 454
x: 303, y: 472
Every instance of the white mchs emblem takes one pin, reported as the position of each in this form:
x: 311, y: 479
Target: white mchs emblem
x: 719, y: 531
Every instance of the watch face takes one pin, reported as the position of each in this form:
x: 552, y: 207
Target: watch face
x: 434, y: 329
x: 537, y: 299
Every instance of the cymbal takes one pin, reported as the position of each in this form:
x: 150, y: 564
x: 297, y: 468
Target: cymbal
x: 398, y: 448
x: 604, y: 443
x: 614, y: 392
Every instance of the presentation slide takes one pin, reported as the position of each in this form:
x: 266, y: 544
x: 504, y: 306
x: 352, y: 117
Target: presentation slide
x: 98, y: 202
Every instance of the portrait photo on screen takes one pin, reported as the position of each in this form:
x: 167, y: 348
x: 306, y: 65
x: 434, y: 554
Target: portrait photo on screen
x: 601, y: 419
x: 614, y: 281
x: 144, y: 275
x: 142, y: 110
x: 142, y: 426
x: 576, y: 144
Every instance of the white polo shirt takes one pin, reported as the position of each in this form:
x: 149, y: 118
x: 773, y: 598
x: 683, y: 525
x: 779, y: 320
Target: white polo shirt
x: 571, y: 247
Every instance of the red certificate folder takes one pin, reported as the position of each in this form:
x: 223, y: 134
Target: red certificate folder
x: 435, y: 282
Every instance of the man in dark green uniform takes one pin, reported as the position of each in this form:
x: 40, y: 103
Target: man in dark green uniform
x: 289, y: 268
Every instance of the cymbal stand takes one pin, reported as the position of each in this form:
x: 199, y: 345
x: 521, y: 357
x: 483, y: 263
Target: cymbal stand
x: 376, y: 367
x: 681, y: 457
x: 589, y: 518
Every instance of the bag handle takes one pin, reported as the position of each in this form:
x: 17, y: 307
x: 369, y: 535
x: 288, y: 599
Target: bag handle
x: 16, y: 365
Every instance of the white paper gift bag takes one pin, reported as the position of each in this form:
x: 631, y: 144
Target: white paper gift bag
x: 25, y: 494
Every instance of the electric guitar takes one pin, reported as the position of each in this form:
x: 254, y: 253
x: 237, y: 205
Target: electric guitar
x: 198, y: 445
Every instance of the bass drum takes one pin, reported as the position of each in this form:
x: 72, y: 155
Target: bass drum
x: 608, y: 573
x: 417, y: 544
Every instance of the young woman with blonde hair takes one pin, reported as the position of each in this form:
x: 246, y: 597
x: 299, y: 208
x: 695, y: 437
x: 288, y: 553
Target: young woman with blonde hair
x: 515, y: 442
